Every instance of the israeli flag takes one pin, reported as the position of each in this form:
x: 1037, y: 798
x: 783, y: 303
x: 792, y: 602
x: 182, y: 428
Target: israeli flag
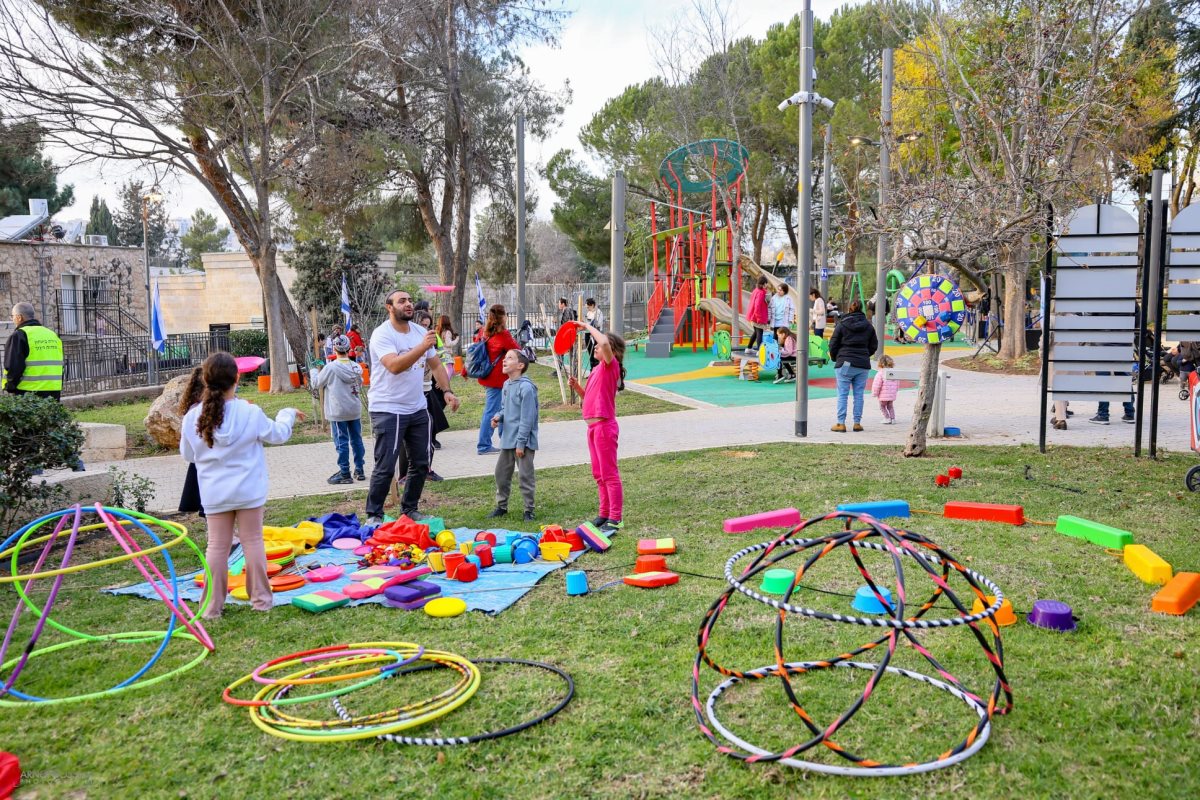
x: 158, y: 336
x: 482, y: 301
x: 345, y: 302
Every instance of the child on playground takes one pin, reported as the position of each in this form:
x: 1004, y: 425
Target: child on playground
x: 342, y: 381
x: 600, y: 413
x: 518, y: 424
x: 224, y: 436
x: 886, y: 390
x: 756, y: 314
x: 787, y: 354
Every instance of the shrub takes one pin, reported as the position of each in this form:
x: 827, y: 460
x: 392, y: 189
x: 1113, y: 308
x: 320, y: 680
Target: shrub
x: 130, y: 488
x: 250, y: 342
x: 36, y: 433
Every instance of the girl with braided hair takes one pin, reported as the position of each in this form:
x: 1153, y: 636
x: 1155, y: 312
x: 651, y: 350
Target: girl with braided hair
x: 224, y: 437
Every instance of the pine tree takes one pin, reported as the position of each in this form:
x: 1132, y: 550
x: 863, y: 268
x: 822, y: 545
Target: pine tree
x: 25, y: 173
x: 100, y: 221
x: 128, y: 218
x: 204, y: 236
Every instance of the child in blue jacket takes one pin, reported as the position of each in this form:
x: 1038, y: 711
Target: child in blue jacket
x: 518, y: 424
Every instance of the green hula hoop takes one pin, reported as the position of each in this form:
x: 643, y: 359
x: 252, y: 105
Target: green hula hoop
x: 133, y: 636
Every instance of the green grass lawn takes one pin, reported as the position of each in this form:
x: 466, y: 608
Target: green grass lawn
x: 1108, y: 711
x: 139, y: 444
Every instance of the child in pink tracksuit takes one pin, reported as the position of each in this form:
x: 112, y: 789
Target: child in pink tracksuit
x: 600, y: 413
x: 886, y: 390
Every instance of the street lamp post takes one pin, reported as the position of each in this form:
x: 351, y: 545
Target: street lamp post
x: 826, y: 192
x: 153, y: 196
x: 885, y: 180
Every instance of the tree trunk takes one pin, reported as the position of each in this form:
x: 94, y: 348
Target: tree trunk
x: 283, y: 324
x: 1012, y: 332
x: 924, y: 406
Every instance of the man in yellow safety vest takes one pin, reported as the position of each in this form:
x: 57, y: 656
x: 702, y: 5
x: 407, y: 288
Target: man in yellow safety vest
x: 33, y: 357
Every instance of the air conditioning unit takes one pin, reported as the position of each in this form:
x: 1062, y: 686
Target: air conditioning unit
x: 256, y: 320
x: 96, y: 239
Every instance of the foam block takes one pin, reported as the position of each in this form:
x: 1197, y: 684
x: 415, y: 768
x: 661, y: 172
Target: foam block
x: 1147, y: 564
x: 1179, y: 595
x: 879, y: 509
x: 651, y: 563
x: 593, y: 537
x: 651, y: 580
x: 323, y: 600
x: 647, y: 547
x: 408, y: 592
x: 1094, y: 532
x: 374, y: 572
x: 987, y: 512
x: 779, y: 518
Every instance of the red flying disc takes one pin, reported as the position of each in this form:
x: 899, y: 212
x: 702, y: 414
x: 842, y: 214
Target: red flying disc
x: 248, y: 363
x: 564, y: 340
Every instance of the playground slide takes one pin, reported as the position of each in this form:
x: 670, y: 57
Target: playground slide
x: 723, y: 313
x: 751, y: 268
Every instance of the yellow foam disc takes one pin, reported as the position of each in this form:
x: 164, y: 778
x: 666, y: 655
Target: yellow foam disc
x: 445, y: 607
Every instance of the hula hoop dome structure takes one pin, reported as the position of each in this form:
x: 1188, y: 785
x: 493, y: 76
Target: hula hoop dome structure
x: 897, y: 627
x: 182, y: 621
x: 725, y: 164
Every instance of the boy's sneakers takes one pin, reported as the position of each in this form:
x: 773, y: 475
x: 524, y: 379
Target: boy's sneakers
x: 858, y: 427
x: 339, y: 478
x: 359, y: 475
x: 839, y: 428
x: 1128, y: 418
x: 1098, y: 420
x: 497, y: 512
x: 611, y: 526
x: 599, y: 521
x: 529, y: 516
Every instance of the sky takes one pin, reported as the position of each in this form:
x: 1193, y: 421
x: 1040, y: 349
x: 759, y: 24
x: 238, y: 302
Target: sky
x: 605, y: 45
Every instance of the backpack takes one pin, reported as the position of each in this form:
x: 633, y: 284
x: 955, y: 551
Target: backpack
x: 478, y: 364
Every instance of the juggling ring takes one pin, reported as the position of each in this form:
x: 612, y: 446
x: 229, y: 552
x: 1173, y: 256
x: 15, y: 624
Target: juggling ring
x: 895, y: 543
x: 480, y: 737
x: 21, y: 539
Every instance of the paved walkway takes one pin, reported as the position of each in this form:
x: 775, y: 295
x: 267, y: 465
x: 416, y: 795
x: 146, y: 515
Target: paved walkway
x: 990, y: 410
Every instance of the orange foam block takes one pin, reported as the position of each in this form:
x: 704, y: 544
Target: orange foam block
x: 988, y: 512
x: 1177, y: 596
x: 650, y: 547
x: 1146, y: 564
x: 651, y: 580
x: 779, y: 518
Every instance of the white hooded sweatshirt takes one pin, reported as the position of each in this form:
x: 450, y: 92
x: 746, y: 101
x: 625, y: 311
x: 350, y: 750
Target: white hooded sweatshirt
x: 233, y: 473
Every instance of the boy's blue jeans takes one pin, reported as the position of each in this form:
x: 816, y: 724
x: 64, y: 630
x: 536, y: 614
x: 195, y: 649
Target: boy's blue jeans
x: 849, y: 377
x: 491, y: 407
x: 347, y: 435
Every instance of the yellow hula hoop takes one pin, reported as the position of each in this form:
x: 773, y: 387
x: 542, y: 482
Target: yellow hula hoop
x: 50, y: 573
x: 297, y: 734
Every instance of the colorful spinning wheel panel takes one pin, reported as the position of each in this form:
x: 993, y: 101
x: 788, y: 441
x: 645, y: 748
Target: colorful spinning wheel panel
x: 930, y: 308
x: 722, y: 346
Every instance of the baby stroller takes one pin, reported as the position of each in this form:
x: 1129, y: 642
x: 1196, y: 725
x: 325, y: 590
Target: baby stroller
x: 525, y: 340
x: 1180, y: 363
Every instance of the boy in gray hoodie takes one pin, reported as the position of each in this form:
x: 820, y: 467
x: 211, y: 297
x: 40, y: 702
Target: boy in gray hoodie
x: 518, y: 424
x: 342, y: 381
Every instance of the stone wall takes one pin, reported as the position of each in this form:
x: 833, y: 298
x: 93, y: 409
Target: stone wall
x: 123, y: 267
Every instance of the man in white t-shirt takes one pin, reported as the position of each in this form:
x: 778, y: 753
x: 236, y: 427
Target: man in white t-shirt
x: 400, y: 350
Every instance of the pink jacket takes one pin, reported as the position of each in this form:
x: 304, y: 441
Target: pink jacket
x: 758, y: 307
x: 884, y: 389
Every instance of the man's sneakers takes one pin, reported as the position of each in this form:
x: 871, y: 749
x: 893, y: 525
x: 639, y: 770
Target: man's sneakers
x: 1128, y: 418
x: 373, y: 521
x: 839, y: 428
x: 1098, y: 420
x: 529, y: 515
x: 497, y: 512
x: 340, y: 478
x: 433, y: 476
x: 359, y: 475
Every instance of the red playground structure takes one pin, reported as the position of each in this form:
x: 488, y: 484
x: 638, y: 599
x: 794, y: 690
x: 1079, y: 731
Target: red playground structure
x: 694, y: 269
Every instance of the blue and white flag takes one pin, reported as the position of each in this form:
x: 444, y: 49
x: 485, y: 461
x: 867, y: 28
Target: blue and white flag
x: 482, y: 301
x: 345, y: 302
x: 158, y: 336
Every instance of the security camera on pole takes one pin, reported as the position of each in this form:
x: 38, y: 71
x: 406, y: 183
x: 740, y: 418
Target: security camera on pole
x: 805, y: 98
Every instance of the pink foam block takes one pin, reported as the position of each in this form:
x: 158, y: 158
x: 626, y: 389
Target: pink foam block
x: 780, y: 518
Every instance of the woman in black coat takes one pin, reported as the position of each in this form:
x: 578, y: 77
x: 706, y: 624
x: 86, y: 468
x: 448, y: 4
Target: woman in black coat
x: 851, y: 347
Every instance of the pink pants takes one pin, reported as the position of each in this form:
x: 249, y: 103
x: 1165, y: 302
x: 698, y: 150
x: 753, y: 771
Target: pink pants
x: 602, y: 447
x: 887, y: 408
x: 220, y: 542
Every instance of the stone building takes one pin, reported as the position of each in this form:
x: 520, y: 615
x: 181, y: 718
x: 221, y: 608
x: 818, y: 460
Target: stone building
x: 78, y: 290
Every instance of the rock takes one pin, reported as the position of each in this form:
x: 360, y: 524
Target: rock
x: 164, y: 422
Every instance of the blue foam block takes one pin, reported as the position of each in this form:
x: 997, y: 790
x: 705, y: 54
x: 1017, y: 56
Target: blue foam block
x: 878, y: 509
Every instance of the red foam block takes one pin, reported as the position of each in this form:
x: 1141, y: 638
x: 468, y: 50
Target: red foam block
x: 780, y: 518
x: 651, y: 580
x: 955, y: 472
x: 990, y: 512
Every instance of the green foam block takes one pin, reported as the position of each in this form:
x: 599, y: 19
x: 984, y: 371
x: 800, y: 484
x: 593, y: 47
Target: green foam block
x: 1094, y: 532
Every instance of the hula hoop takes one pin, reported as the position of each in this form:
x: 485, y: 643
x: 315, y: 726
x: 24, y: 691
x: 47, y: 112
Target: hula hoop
x: 480, y: 737
x: 41, y: 623
x: 895, y: 543
x: 18, y: 580
x: 133, y: 637
x: 373, y: 676
x: 833, y: 769
x: 295, y: 659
